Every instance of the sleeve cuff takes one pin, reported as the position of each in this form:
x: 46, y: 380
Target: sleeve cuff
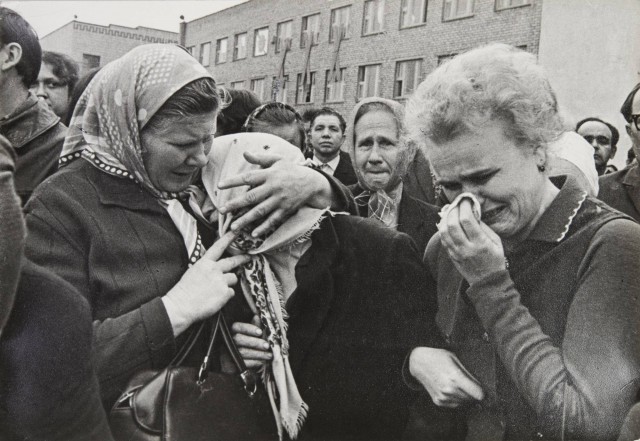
x: 411, y: 382
x: 159, y: 333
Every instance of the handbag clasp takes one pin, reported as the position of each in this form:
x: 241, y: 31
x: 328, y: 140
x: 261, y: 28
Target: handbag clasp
x: 250, y: 384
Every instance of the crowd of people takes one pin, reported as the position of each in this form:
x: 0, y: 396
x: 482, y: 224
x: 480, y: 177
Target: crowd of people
x: 457, y: 267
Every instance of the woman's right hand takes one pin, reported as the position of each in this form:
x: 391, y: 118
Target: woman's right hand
x: 248, y: 337
x: 204, y: 288
x: 440, y: 372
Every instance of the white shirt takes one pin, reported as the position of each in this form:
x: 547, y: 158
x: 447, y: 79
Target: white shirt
x: 327, y: 167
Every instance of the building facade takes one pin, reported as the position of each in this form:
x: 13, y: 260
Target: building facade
x: 359, y: 48
x: 94, y: 45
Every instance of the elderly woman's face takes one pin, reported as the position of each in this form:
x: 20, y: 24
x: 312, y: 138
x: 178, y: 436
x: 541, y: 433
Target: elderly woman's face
x: 504, y: 177
x: 175, y: 149
x: 377, y: 153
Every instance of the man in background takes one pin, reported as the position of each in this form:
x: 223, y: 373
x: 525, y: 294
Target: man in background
x: 621, y: 189
x: 603, y: 137
x: 34, y: 131
x: 56, y: 80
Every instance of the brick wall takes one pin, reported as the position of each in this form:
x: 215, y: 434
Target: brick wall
x: 518, y: 26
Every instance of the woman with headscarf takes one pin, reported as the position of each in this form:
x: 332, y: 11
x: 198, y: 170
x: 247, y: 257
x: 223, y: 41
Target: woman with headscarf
x: 340, y: 301
x: 118, y: 221
x: 537, y: 281
x: 381, y: 154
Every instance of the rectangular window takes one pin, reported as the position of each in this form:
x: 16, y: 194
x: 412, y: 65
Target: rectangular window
x: 283, y: 33
x: 445, y: 58
x: 191, y: 49
x: 368, y: 79
x: 306, y: 94
x: 237, y: 84
x: 413, y: 13
x: 339, y: 21
x: 257, y: 87
x: 407, y: 77
x: 260, y: 42
x: 457, y: 9
x: 221, y: 50
x: 506, y: 4
x: 281, y: 91
x: 310, y: 29
x: 90, y: 62
x: 240, y: 46
x: 334, y: 87
x: 205, y: 53
x: 373, y: 20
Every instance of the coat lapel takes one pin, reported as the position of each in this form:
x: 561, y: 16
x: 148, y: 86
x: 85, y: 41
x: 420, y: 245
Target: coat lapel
x: 310, y: 303
x: 632, y: 185
x: 410, y: 219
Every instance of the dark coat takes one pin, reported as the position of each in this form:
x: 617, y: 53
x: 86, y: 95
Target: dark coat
x: 418, y: 181
x: 621, y: 190
x: 555, y: 334
x: 49, y: 389
x: 415, y: 218
x: 120, y: 249
x: 363, y: 301
x: 37, y: 135
x: 344, y: 171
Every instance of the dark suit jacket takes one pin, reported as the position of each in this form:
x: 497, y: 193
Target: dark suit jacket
x: 344, y: 172
x: 621, y: 190
x: 363, y: 300
x: 415, y: 218
x: 49, y: 389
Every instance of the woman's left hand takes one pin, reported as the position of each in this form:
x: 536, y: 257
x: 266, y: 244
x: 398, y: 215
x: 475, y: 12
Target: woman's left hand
x: 475, y: 249
x: 277, y: 191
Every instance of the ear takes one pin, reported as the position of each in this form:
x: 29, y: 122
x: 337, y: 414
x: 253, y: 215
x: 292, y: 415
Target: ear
x: 540, y: 155
x: 12, y: 56
x: 628, y: 129
x: 614, y: 149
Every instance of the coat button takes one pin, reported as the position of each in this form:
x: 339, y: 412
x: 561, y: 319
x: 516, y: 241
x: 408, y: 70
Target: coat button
x: 485, y: 337
x: 539, y: 435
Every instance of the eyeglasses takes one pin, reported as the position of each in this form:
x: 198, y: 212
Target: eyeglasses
x: 636, y: 120
x: 601, y: 140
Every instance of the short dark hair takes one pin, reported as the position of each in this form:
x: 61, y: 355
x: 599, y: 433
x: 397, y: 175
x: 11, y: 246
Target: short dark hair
x: 15, y: 29
x: 198, y: 97
x: 615, y: 135
x: 275, y: 114
x: 628, y: 102
x: 63, y: 67
x: 232, y: 118
x: 330, y: 111
x: 309, y: 114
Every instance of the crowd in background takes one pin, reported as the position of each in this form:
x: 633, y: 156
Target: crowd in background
x: 460, y: 266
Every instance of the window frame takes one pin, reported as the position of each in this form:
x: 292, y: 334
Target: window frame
x: 342, y: 82
x: 364, y: 17
x: 251, y: 88
x: 283, y: 91
x: 237, y: 82
x: 302, y: 30
x: 226, y: 50
x: 458, y: 17
x: 347, y: 33
x: 312, y: 89
x: 363, y: 68
x: 425, y: 4
x: 504, y: 8
x: 279, y: 41
x: 235, y: 46
x: 201, y: 59
x: 266, y: 41
x: 418, y: 74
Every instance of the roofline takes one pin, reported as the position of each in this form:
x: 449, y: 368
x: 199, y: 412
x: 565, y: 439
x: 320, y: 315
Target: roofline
x: 218, y: 12
x: 108, y: 26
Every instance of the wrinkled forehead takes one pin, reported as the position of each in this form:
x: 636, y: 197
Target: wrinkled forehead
x: 595, y: 128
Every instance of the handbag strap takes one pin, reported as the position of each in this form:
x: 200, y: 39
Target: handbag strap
x: 247, y: 376
x: 186, y: 348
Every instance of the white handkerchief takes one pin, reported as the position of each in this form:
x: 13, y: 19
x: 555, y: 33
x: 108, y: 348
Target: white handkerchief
x: 475, y: 205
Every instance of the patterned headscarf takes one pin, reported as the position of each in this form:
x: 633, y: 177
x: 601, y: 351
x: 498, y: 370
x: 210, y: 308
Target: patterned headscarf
x: 382, y: 203
x: 117, y: 105
x: 269, y: 278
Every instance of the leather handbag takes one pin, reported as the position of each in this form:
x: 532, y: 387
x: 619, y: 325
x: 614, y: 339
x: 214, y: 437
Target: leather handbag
x: 182, y: 403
